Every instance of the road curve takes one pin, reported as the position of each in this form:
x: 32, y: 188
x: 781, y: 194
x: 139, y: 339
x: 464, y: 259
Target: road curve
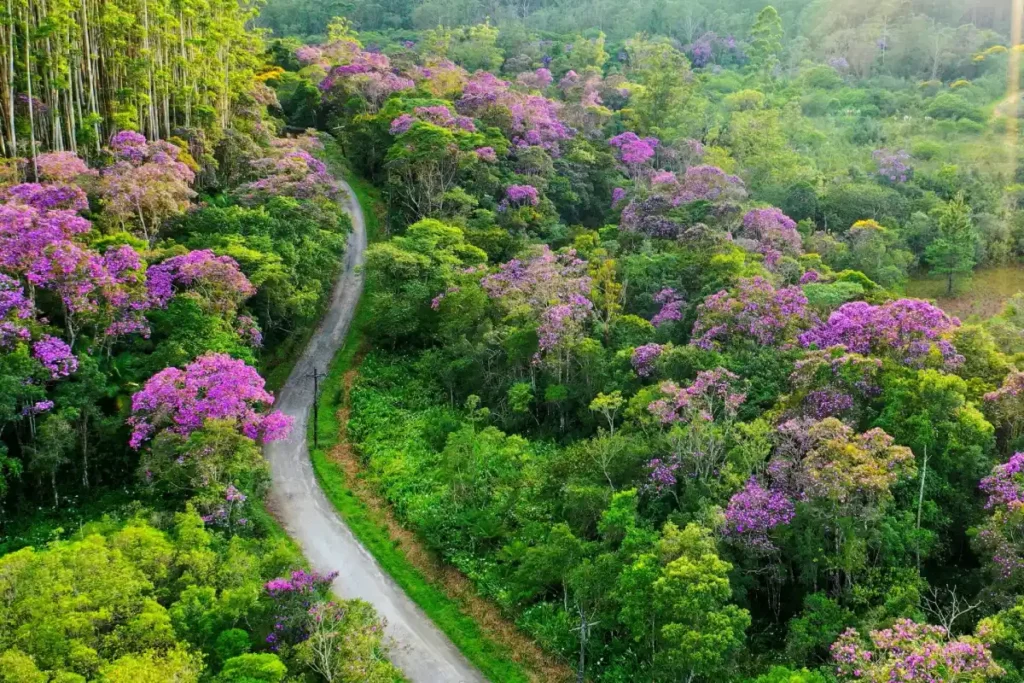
x: 419, y: 648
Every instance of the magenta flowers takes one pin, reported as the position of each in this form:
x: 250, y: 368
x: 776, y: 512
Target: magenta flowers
x: 671, y: 307
x: 909, y: 329
x: 774, y: 232
x: 634, y: 151
x: 214, y: 386
x: 518, y: 195
x: 218, y: 278
x: 757, y: 311
x: 55, y: 356
x: 908, y: 651
x: 644, y: 357
x: 753, y: 512
x: 438, y: 115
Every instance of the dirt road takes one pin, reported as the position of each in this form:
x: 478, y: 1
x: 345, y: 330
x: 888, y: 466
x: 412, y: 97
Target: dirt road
x: 423, y: 653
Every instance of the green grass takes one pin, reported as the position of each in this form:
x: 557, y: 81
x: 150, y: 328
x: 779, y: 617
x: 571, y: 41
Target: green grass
x: 978, y: 298
x: 487, y: 655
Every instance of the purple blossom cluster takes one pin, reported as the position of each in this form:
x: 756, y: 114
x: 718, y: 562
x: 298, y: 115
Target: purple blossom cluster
x: 519, y: 195
x: 662, y: 475
x: 810, y: 276
x: 309, y: 54
x: 48, y: 197
x: 618, y: 194
x: 294, y: 598
x: 756, y: 311
x: 671, y: 307
x: 893, y: 165
x: 634, y: 151
x: 644, y: 357
x: 909, y: 329
x: 55, y: 355
x: 912, y: 652
x: 249, y: 331
x: 106, y: 290
x: 822, y: 403
x: 535, y: 80
x: 61, y: 167
x: 707, y: 183
x: 753, y: 512
x: 15, y: 313
x: 774, y: 232
x: 37, y: 408
x: 439, y: 115
x: 828, y: 383
x: 369, y: 74
x: 146, y: 184
x: 709, y: 397
x: 533, y: 119
x: 487, y: 154
x: 554, y: 285
x: 1005, y: 486
x: 218, y: 278
x: 214, y: 386
x: 291, y: 171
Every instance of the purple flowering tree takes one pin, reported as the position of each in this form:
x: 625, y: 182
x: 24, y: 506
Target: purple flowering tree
x: 912, y: 652
x: 62, y: 167
x: 999, y: 538
x: 293, y: 598
x: 699, y: 419
x: 842, y: 484
x: 774, y: 233
x: 48, y: 197
x: 893, y: 165
x: 527, y: 120
x: 833, y: 383
x: 635, y: 153
x: 439, y: 115
x: 218, y: 280
x: 554, y: 287
x: 752, y: 513
x: 214, y: 386
x: 367, y: 74
x: 55, y: 356
x: 290, y: 170
x: 644, y: 357
x: 671, y: 307
x: 16, y: 313
x: 147, y: 184
x: 756, y: 312
x: 910, y: 330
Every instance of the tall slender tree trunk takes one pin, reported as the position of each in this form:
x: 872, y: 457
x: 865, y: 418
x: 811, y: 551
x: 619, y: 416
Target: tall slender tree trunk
x: 31, y: 108
x: 11, y: 132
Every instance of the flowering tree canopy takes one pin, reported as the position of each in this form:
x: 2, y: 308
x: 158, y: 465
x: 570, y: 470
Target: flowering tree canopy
x: 217, y: 278
x: 917, y: 653
x: 147, y: 184
x: 753, y: 512
x: 290, y: 170
x: 757, y: 311
x: 214, y: 386
x: 907, y: 329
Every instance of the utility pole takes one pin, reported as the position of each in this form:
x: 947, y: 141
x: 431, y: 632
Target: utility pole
x: 317, y: 376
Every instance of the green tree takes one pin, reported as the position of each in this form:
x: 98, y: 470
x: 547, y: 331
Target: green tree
x: 700, y: 628
x: 953, y: 251
x: 766, y: 40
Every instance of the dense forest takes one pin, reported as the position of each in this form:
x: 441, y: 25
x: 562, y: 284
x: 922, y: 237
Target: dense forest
x: 639, y: 361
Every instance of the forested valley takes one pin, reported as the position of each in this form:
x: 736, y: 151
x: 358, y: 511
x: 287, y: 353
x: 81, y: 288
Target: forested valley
x: 638, y: 357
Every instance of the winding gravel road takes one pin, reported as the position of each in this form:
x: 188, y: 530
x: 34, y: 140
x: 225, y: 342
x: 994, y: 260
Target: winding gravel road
x: 419, y: 649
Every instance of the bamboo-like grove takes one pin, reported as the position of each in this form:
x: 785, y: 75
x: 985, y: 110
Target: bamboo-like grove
x: 74, y: 71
